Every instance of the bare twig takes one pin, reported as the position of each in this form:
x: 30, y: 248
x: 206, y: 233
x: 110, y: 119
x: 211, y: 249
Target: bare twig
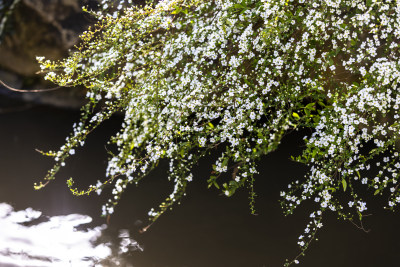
x: 28, y: 91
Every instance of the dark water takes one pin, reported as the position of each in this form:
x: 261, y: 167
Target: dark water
x: 207, y: 229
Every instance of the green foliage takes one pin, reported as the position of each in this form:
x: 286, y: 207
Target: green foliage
x: 191, y: 76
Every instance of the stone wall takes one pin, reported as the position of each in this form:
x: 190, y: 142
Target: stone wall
x: 48, y: 28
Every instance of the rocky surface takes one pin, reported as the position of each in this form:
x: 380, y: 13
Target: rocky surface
x: 41, y: 28
x: 48, y: 28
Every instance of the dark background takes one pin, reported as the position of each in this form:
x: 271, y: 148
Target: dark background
x: 207, y: 229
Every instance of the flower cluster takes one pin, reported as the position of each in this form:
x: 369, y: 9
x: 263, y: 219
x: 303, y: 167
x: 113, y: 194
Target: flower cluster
x: 191, y: 76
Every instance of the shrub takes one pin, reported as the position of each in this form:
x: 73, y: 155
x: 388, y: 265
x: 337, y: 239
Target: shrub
x: 191, y: 75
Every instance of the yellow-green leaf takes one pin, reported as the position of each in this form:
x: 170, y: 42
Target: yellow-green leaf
x: 344, y: 183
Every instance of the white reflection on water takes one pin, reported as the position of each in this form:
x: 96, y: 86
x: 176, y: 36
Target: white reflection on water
x: 56, y: 241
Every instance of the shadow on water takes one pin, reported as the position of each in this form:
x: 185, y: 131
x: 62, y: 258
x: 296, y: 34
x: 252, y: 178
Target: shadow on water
x: 207, y: 229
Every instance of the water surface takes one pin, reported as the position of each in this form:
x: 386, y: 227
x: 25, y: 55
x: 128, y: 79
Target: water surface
x: 207, y: 229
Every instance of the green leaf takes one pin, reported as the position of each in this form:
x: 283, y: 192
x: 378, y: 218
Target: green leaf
x: 314, y: 152
x: 177, y: 10
x: 310, y: 106
x: 296, y: 116
x: 239, y: 6
x: 344, y: 183
x: 216, y: 184
x: 212, y: 181
x: 70, y: 182
x: 377, y: 191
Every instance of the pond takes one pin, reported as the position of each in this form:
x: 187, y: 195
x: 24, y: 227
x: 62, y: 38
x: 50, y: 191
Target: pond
x: 51, y: 227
